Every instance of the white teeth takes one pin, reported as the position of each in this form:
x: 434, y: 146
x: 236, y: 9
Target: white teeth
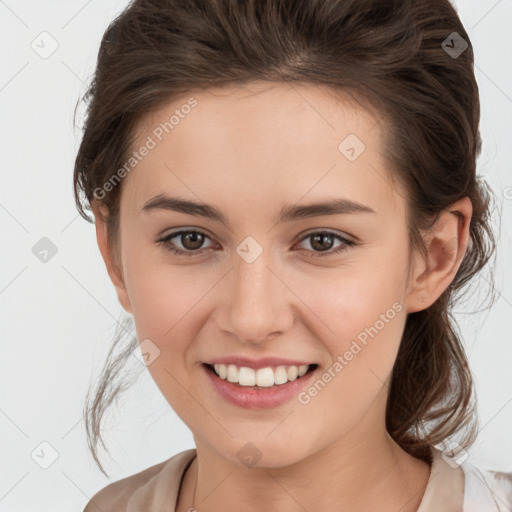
x: 222, y: 372
x: 281, y: 375
x: 248, y: 377
x: 263, y: 377
x: 292, y: 372
x: 232, y: 374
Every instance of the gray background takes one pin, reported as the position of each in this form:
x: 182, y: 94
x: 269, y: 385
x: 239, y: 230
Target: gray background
x: 58, y: 317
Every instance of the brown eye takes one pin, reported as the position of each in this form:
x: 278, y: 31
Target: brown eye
x: 323, y: 242
x: 191, y: 241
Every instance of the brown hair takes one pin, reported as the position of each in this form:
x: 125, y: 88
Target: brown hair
x: 389, y: 54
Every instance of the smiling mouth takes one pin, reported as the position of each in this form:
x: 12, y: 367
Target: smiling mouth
x: 210, y: 368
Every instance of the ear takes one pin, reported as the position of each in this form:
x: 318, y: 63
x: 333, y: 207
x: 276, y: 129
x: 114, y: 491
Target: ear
x: 446, y: 243
x: 115, y: 273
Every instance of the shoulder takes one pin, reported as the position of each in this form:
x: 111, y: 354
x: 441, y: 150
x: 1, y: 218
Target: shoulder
x: 486, y: 487
x: 144, y: 490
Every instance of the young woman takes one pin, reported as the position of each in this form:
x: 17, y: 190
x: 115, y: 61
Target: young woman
x: 286, y: 201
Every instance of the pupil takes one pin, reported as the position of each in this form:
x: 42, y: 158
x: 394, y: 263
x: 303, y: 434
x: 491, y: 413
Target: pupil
x: 322, y: 238
x: 196, y: 240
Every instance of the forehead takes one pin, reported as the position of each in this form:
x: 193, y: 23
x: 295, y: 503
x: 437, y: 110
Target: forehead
x: 262, y: 140
x: 305, y: 111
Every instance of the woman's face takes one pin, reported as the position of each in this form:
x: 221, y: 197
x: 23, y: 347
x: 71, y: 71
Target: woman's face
x: 256, y: 286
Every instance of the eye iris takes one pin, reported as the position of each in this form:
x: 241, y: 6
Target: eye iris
x: 322, y: 237
x: 197, y: 240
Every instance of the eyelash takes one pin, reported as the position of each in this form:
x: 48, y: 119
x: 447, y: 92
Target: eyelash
x: 166, y: 243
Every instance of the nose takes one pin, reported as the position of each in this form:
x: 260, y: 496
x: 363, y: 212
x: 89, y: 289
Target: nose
x: 258, y: 303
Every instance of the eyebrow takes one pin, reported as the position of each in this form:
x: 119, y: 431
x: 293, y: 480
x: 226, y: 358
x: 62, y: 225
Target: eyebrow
x: 288, y: 213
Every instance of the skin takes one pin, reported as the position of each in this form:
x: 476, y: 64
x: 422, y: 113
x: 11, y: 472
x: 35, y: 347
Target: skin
x: 249, y: 151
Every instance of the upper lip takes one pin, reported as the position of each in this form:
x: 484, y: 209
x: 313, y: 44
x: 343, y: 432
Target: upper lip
x: 255, y: 364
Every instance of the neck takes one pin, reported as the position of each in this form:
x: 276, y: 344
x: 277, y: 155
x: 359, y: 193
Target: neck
x: 379, y: 475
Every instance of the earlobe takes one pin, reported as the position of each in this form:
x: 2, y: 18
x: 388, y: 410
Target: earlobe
x: 114, y: 272
x: 447, y: 244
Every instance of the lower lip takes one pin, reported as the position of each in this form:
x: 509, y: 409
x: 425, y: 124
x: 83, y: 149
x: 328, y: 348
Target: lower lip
x: 258, y: 398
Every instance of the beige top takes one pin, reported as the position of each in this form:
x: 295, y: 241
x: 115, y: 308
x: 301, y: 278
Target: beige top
x: 461, y: 488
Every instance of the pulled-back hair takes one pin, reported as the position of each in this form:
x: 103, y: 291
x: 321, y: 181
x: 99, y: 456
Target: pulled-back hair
x: 391, y: 56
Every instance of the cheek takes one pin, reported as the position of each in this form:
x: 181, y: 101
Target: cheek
x: 359, y: 315
x: 164, y: 300
x: 160, y: 293
x: 360, y: 328
x: 349, y: 299
x: 166, y: 308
